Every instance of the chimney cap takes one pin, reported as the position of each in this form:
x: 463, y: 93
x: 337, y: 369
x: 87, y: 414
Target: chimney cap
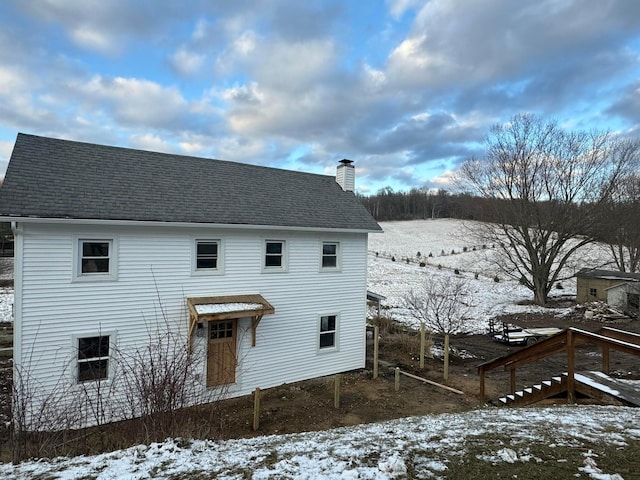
x: 344, y: 161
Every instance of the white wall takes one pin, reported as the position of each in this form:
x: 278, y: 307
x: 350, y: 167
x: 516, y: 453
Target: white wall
x: 154, y: 275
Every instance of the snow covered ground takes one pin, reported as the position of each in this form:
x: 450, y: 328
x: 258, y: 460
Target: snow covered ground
x: 448, y: 241
x: 563, y: 439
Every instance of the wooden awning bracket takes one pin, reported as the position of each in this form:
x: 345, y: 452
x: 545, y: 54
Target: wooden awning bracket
x: 260, y: 307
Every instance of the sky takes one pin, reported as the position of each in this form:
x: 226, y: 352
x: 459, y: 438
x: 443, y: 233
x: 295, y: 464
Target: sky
x: 407, y: 89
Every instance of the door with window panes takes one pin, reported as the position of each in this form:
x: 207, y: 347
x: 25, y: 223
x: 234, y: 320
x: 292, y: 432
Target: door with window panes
x: 221, y: 352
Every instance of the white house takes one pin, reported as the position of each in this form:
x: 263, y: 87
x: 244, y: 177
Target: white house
x: 260, y: 271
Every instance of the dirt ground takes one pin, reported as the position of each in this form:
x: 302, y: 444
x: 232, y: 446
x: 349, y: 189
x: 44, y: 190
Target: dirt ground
x: 309, y: 405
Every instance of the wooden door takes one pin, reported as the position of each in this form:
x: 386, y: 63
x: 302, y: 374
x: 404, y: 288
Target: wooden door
x: 221, y: 352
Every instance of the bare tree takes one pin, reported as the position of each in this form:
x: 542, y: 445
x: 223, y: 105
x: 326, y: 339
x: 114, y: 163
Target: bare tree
x: 441, y: 305
x: 621, y: 228
x: 547, y: 188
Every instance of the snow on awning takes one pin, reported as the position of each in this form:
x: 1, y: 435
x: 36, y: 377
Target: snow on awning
x: 207, y: 309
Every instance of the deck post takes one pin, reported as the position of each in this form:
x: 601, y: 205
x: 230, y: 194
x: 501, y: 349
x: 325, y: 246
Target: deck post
x: 571, y: 368
x: 605, y: 359
x: 512, y: 380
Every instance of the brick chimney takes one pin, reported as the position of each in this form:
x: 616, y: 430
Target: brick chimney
x: 346, y: 175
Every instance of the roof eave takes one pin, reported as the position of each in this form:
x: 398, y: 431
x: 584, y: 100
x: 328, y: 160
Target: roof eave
x: 155, y: 223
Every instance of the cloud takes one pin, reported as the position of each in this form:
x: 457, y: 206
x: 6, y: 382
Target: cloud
x: 136, y: 102
x: 186, y: 62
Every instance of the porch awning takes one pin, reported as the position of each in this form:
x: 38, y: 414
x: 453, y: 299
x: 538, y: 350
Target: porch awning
x: 206, y: 309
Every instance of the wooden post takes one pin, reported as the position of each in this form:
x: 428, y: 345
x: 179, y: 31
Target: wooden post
x: 512, y: 380
x: 256, y: 409
x: 376, y: 334
x: 446, y: 356
x: 605, y: 359
x: 397, y: 378
x: 482, y: 394
x: 571, y: 368
x: 336, y: 391
x: 422, y: 345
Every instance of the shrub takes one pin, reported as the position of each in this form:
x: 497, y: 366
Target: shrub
x: 439, y: 266
x: 407, y: 260
x: 464, y: 249
x: 496, y: 279
x: 453, y: 252
x: 522, y: 280
x: 422, y: 264
x: 418, y: 255
x: 393, y: 259
x: 442, y: 253
x: 385, y: 324
x: 430, y: 254
x: 377, y: 254
x: 559, y: 286
x: 456, y: 271
x: 475, y: 275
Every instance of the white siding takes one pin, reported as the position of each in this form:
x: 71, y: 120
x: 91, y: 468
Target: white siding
x: 154, y: 275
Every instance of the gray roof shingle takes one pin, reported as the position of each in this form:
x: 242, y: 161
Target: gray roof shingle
x: 51, y: 178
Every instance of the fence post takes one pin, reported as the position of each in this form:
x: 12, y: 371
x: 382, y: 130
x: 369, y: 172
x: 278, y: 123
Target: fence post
x: 397, y: 378
x: 336, y: 391
x: 422, y: 345
x: 376, y: 332
x: 256, y: 409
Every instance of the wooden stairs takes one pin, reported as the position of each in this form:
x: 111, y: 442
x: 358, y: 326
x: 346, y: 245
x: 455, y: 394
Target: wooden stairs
x: 597, y: 385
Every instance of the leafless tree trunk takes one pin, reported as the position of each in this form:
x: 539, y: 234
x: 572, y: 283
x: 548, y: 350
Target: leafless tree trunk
x: 621, y: 228
x: 547, y: 188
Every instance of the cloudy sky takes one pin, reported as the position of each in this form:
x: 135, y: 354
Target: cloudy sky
x: 405, y: 88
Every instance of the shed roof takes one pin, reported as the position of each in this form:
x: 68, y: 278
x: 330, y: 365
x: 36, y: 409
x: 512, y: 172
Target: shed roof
x: 608, y: 274
x: 62, y: 179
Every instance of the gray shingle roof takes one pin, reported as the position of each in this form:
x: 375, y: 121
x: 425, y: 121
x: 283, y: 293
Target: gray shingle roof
x: 608, y: 274
x: 51, y: 178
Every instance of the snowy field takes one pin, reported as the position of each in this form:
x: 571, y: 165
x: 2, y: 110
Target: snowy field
x: 449, y: 242
x: 561, y: 439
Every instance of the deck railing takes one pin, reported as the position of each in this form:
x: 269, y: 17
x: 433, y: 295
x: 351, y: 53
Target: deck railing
x: 607, y: 338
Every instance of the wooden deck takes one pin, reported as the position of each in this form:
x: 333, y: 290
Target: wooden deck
x: 596, y: 385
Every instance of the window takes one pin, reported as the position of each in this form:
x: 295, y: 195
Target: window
x: 328, y: 331
x: 207, y: 254
x: 274, y: 255
x: 593, y: 292
x: 94, y: 257
x: 330, y: 251
x: 93, y: 358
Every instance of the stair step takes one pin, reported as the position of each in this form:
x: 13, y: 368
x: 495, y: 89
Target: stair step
x: 546, y: 383
x: 538, y: 387
x: 557, y: 379
x: 528, y: 390
x: 520, y: 394
x: 503, y: 400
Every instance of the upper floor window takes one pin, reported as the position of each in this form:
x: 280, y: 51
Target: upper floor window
x: 93, y: 358
x: 95, y: 256
x: 330, y: 255
x: 207, y: 254
x: 275, y: 255
x: 95, y: 259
